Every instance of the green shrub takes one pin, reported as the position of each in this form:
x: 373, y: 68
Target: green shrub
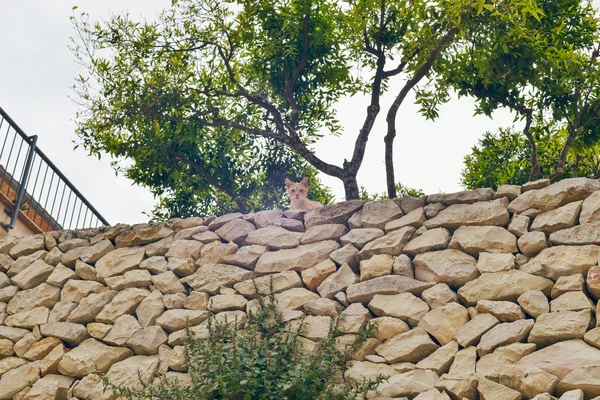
x: 264, y: 361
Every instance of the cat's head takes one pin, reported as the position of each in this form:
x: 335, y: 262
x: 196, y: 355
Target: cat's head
x: 297, y: 191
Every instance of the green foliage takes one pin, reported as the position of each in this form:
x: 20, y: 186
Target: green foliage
x: 264, y: 362
x: 504, y: 158
x: 401, y: 191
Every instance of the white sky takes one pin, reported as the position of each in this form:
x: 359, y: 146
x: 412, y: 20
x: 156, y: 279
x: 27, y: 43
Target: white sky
x: 37, y: 72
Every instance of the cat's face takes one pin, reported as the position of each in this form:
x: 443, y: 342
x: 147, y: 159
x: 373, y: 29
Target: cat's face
x: 297, y: 191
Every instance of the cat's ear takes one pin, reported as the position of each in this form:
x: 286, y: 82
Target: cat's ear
x: 304, y: 182
x: 288, y: 183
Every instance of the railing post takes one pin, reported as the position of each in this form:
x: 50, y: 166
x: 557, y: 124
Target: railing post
x: 23, y: 184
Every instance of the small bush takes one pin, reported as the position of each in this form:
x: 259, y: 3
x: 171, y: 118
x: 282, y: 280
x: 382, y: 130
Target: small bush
x: 264, y: 361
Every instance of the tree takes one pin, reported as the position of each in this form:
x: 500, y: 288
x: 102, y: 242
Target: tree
x: 543, y: 65
x: 212, y: 84
x: 504, y: 158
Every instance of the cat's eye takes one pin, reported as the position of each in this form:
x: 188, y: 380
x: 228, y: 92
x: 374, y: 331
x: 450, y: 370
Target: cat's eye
x: 301, y: 190
x: 293, y: 191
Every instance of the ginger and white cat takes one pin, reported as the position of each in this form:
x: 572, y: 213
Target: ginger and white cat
x: 297, y: 193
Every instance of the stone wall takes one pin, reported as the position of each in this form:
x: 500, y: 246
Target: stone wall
x: 475, y: 295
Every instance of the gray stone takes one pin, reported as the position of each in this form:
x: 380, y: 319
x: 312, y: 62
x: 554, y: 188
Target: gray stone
x: 446, y: 266
x: 558, y: 261
x: 431, y: 240
x: 555, y: 195
x: 391, y: 244
x: 557, y: 219
x: 477, y: 214
x: 363, y: 292
x: 376, y: 214
x: 300, y: 258
x: 338, y: 213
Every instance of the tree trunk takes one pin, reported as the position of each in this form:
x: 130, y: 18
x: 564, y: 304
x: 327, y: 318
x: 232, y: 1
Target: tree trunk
x: 351, y: 186
x: 560, y: 166
x: 536, y: 171
x: 389, y: 161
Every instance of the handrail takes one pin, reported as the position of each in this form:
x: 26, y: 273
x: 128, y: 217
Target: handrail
x: 48, y: 219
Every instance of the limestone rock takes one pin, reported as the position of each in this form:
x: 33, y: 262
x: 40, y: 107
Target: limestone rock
x: 159, y: 248
x: 50, y: 387
x: 215, y: 252
x: 361, y: 236
x: 567, y: 283
x: 492, y: 390
x: 274, y: 237
x: 300, y: 258
x: 505, y: 311
x: 519, y: 225
x: 452, y: 267
x: 33, y: 275
x: 49, y: 365
x: 119, y: 261
x: 181, y: 266
x: 314, y: 276
x: 410, y: 384
x: 168, y: 283
x: 531, y: 243
x: 560, y: 326
x: 502, y: 286
x: 555, y: 195
x: 443, y: 322
x: 378, y: 265
x: 314, y: 328
x: 145, y: 235
x: 150, y: 308
x: 563, y: 260
x: 28, y: 319
x: 227, y: 302
x: 464, y: 387
x: 590, y: 209
x: 338, y: 213
x: 534, y: 303
x: 391, y: 244
x: 90, y: 307
x: 68, y: 332
x: 557, y: 219
x: 91, y: 356
x: 503, y: 334
x: 431, y: 240
x: 13, y: 381
x: 562, y: 358
x: 578, y: 235
x: 320, y: 233
x: 404, y: 306
x: 24, y: 261
x: 490, y: 239
x: 571, y: 301
x: 360, y: 370
x: 277, y: 282
x: 98, y: 330
x: 185, y: 249
x: 416, y: 218
x: 210, y: 277
x: 376, y: 214
x: 124, y: 302
x: 246, y: 257
x: 440, y: 360
x: 125, y: 326
x: 387, y: 327
x: 471, y: 332
x: 439, y: 295
x: 147, y: 341
x: 60, y: 275
x: 131, y: 279
x: 294, y: 299
x: 403, y: 266
x: 346, y: 255
x: 465, y: 197
x: 479, y: 214
x: 128, y: 373
x: 43, y: 295
x: 174, y: 320
x: 337, y: 282
x: 495, y: 262
x: 363, y: 292
x: 323, y: 307
x: 411, y: 346
x: 27, y: 246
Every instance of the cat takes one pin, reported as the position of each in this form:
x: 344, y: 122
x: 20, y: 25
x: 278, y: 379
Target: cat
x: 297, y: 193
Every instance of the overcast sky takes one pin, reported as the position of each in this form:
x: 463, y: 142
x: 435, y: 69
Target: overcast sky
x: 37, y: 72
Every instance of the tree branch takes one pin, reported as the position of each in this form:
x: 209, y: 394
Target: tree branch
x: 290, y: 83
x: 212, y: 181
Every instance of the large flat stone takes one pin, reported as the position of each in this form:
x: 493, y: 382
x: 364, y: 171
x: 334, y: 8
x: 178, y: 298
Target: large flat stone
x: 210, y: 277
x: 338, y: 213
x: 491, y: 239
x: 507, y: 285
x: 560, y: 326
x: 302, y: 257
x: 555, y: 195
x: 391, y: 244
x: 579, y: 235
x: 452, y: 267
x: 411, y: 346
x: 119, y: 261
x: 558, y: 261
x: 484, y: 213
x: 557, y: 219
x: 464, y: 197
x: 364, y: 292
x: 376, y: 214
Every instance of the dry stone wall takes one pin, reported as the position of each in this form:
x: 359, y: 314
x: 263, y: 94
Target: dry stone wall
x: 475, y: 295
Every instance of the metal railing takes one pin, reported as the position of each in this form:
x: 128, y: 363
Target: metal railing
x: 31, y: 183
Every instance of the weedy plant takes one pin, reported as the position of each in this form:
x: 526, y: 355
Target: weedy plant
x: 263, y: 361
